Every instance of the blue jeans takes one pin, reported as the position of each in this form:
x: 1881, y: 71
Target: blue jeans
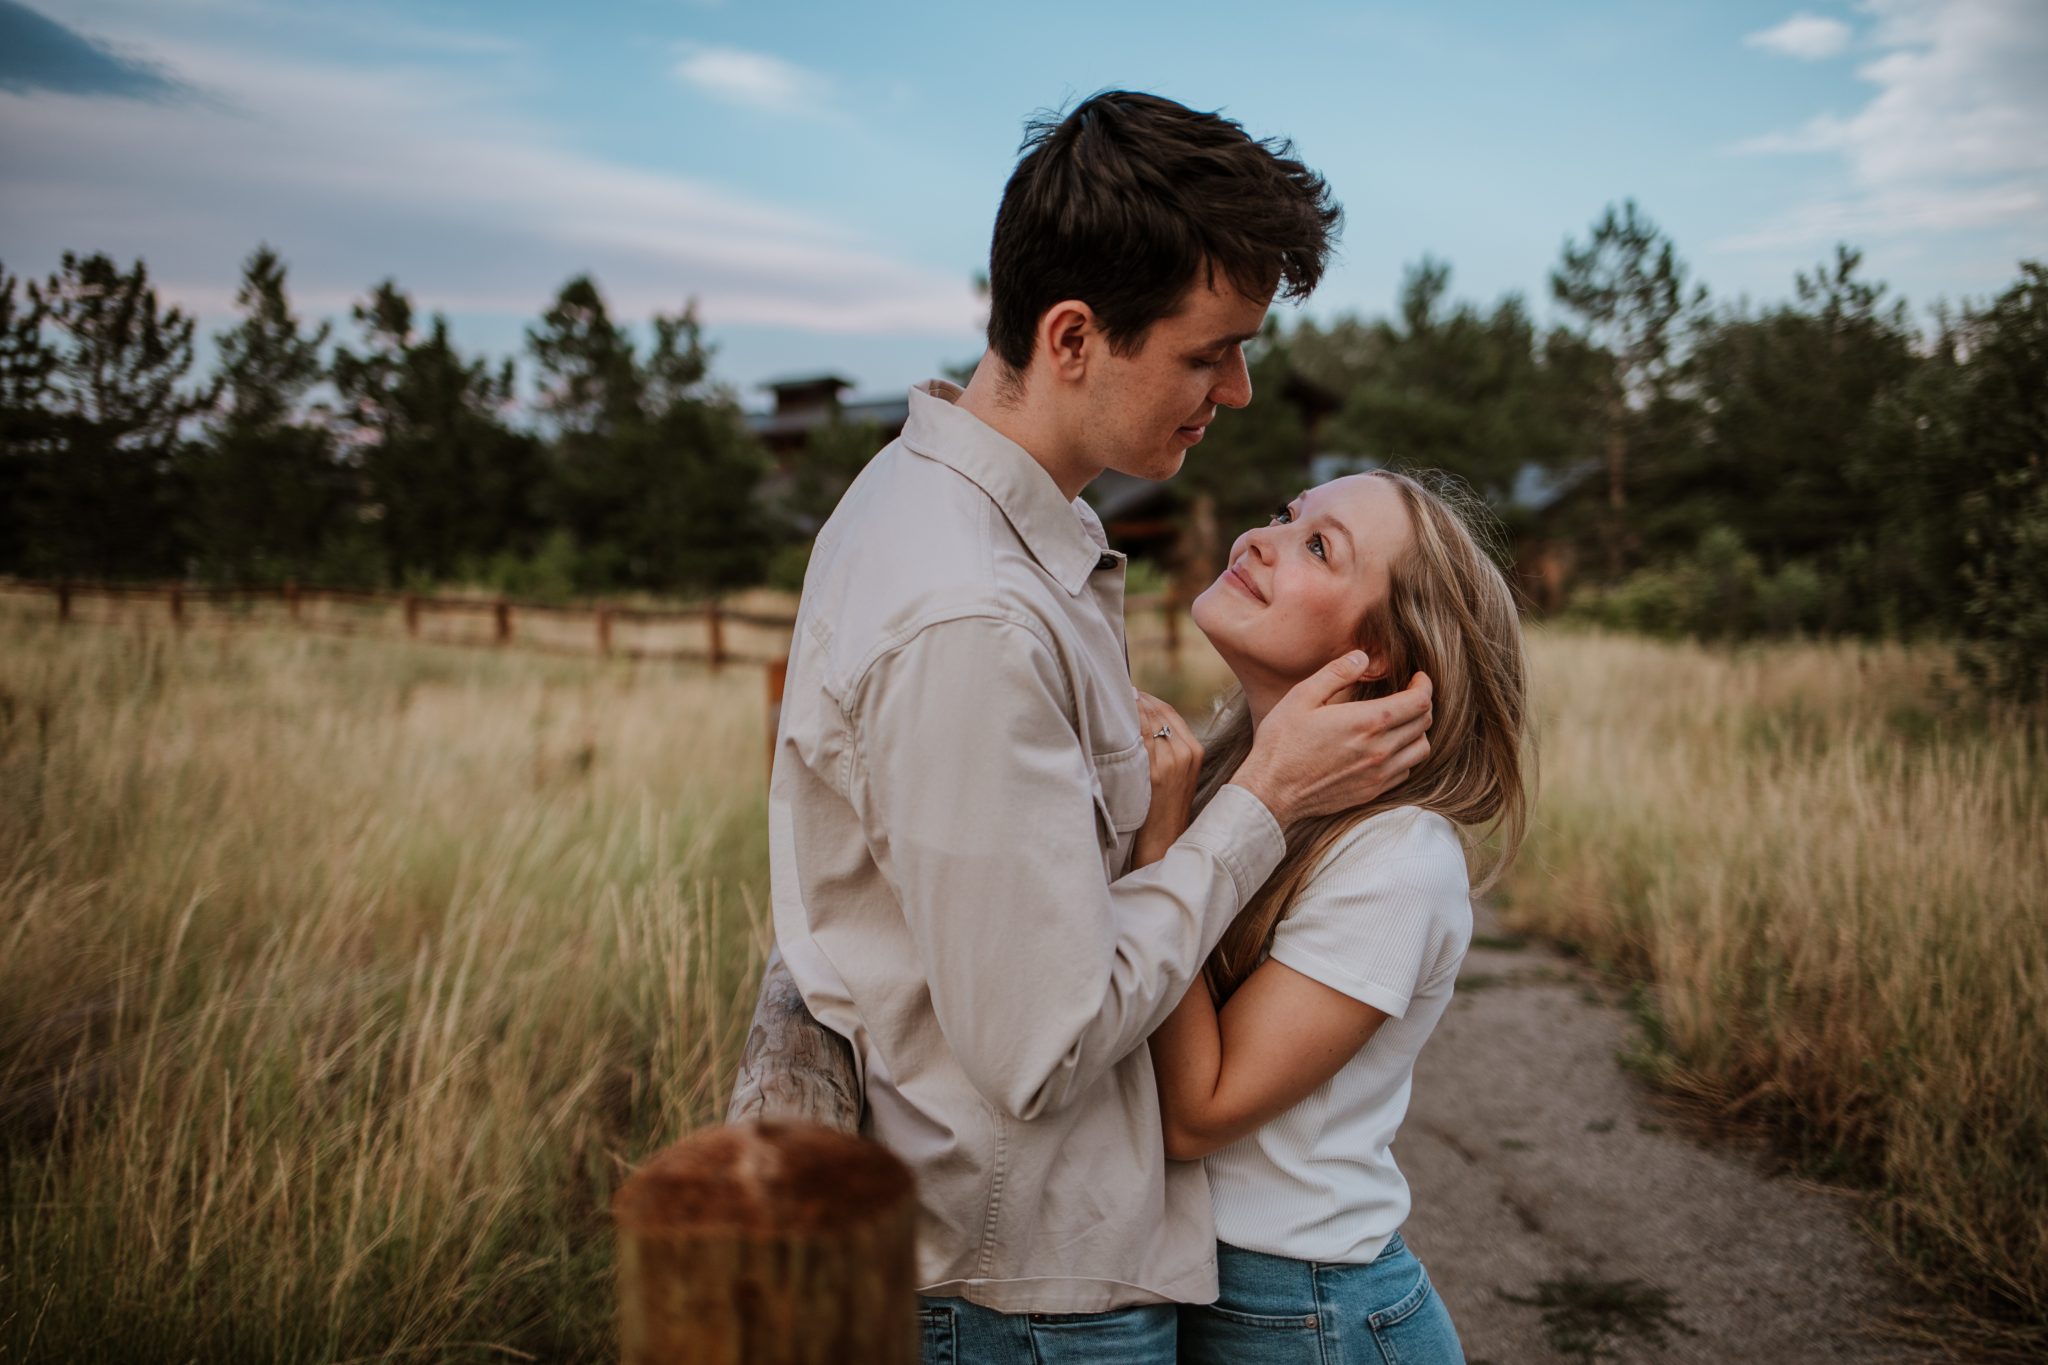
x: 958, y: 1331
x: 1277, y: 1310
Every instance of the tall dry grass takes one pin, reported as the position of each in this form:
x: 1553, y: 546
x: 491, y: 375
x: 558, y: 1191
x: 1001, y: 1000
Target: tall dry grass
x: 339, y: 982
x: 1836, y: 875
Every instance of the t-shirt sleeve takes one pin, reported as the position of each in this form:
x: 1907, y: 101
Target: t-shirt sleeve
x: 1375, y: 923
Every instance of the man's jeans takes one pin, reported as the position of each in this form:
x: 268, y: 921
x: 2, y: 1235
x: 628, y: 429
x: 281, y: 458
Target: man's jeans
x: 958, y: 1331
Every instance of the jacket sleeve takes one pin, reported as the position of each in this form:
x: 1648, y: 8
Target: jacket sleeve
x: 978, y: 802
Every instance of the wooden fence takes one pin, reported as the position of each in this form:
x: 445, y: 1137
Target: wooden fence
x: 710, y: 632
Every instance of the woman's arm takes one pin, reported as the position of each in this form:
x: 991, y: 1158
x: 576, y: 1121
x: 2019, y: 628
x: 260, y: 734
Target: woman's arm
x: 1222, y: 1075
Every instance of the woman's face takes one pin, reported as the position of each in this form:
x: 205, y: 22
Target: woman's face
x: 1297, y: 589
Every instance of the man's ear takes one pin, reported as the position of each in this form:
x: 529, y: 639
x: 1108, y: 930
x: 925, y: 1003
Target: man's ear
x: 1067, y: 338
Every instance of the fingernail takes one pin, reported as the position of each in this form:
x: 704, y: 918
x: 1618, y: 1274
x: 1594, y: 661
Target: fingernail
x: 1356, y: 658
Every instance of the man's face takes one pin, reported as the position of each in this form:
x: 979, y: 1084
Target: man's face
x: 1144, y: 410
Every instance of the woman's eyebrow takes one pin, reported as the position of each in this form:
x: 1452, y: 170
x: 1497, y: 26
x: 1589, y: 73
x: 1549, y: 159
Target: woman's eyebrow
x: 1325, y: 519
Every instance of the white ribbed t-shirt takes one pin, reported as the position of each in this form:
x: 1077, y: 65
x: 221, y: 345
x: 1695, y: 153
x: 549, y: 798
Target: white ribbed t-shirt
x: 1385, y: 918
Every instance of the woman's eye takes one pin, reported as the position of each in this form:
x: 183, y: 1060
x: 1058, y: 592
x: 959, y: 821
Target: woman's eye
x: 1281, y: 516
x: 1316, y: 547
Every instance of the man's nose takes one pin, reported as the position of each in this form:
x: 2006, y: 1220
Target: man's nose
x: 1233, y: 388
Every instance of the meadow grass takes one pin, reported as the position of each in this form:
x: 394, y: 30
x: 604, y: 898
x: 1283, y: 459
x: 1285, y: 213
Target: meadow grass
x: 342, y: 980
x: 1831, y: 872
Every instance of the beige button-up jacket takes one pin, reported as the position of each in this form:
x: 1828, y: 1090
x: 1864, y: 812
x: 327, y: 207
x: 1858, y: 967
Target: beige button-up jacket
x: 958, y: 781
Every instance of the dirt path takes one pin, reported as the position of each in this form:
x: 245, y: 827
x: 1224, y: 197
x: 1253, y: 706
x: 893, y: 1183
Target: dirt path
x: 1536, y: 1161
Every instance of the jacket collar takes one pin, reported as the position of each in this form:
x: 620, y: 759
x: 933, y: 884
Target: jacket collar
x: 1064, y: 537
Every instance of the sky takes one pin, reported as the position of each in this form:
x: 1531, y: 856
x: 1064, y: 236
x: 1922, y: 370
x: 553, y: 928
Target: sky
x: 821, y: 178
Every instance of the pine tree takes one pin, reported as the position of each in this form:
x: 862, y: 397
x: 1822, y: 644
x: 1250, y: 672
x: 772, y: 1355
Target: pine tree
x: 266, y: 492
x: 445, y: 481
x: 102, y: 496
x: 26, y: 363
x: 1629, y: 289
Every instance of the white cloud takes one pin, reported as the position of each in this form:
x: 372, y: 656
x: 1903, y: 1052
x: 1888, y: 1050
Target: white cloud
x: 756, y: 80
x: 358, y: 174
x: 1807, y: 37
x: 1955, y: 136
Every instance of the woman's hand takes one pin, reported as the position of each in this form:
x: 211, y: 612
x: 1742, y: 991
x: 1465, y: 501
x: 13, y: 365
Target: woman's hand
x: 1176, y: 764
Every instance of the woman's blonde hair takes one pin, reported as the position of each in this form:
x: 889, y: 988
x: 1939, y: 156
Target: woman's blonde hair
x: 1449, y: 613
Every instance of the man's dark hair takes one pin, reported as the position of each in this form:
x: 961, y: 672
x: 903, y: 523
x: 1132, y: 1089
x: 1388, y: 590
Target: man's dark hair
x: 1122, y: 201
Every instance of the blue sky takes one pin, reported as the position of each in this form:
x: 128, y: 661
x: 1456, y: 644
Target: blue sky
x: 822, y: 177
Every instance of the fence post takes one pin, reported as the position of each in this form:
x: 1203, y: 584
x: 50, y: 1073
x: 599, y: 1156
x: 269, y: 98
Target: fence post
x: 178, y: 606
x: 412, y: 614
x: 604, y: 631
x: 503, y: 612
x: 1172, y: 613
x: 716, y: 623
x: 772, y: 1243
x: 291, y: 600
x: 64, y: 604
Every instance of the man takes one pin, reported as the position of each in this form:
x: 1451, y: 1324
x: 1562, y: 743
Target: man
x: 960, y: 770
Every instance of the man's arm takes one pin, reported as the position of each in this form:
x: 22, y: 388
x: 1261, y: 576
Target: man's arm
x: 979, y: 806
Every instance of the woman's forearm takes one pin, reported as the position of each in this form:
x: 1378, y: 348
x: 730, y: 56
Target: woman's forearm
x: 1187, y: 1059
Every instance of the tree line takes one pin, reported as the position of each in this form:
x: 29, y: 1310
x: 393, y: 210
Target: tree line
x: 1823, y: 464
x: 390, y: 457
x: 1820, y: 465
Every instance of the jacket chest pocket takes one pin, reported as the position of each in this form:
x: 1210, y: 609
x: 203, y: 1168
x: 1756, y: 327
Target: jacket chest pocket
x: 1123, y: 793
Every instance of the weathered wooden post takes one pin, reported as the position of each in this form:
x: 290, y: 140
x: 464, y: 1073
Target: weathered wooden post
x: 781, y: 1238
x: 291, y: 600
x: 64, y: 604
x: 502, y: 611
x: 716, y: 625
x: 177, y: 606
x: 1171, y: 611
x: 412, y: 615
x: 772, y: 1243
x: 604, y: 631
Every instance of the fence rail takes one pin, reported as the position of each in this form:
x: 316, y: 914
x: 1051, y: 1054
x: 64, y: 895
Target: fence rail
x: 594, y: 628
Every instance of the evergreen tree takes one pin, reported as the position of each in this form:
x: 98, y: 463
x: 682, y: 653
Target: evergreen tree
x: 265, y: 489
x: 1450, y: 387
x: 445, y: 482
x: 1991, y: 444
x: 26, y: 363
x: 653, y: 469
x: 1788, y: 444
x: 101, y: 497
x: 1629, y: 289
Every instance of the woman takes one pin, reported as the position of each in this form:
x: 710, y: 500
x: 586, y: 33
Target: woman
x: 1288, y: 1067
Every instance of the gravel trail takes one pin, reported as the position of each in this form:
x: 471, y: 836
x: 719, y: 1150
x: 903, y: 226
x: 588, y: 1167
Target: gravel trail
x: 1553, y: 1192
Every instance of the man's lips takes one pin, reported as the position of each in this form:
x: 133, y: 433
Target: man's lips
x: 1238, y: 577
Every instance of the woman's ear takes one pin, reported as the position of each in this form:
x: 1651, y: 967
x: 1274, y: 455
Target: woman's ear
x: 1378, y: 663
